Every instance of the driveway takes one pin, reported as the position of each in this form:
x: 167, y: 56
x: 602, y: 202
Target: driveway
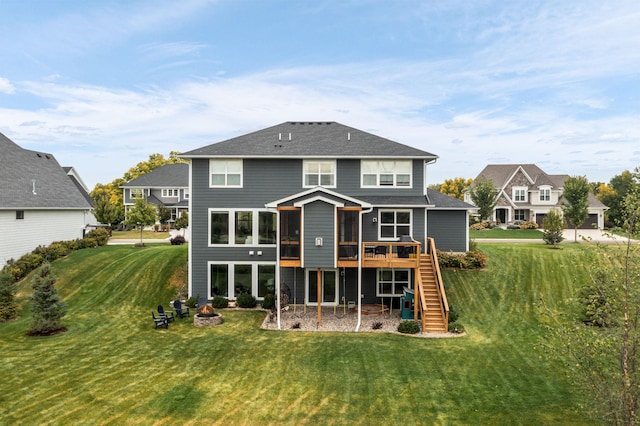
x: 593, y: 235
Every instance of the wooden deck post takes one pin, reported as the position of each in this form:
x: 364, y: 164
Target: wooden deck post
x: 319, y: 286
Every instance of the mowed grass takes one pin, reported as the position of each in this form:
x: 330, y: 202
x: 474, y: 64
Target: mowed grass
x: 113, y: 368
x: 499, y: 233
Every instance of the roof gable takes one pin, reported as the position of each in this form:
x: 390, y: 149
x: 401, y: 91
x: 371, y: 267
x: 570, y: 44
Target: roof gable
x: 309, y: 139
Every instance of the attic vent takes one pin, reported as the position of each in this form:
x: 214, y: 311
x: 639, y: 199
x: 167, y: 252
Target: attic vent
x: 278, y: 146
x: 47, y: 157
x: 40, y: 156
x: 348, y: 136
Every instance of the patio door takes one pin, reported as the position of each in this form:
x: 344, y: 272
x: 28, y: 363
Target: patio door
x: 327, y: 280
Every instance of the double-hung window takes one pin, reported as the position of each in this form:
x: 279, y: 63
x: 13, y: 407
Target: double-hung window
x: 136, y: 193
x: 394, y: 174
x: 392, y: 224
x: 225, y: 173
x: 545, y: 194
x: 242, y: 227
x: 319, y: 173
x: 520, y: 193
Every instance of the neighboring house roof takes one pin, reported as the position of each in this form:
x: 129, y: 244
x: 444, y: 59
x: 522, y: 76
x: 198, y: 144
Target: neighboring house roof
x: 77, y: 181
x: 444, y: 201
x: 35, y: 180
x: 309, y: 139
x: 167, y: 176
x: 501, y: 175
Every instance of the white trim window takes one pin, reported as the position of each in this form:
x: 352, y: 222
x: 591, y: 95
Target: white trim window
x: 519, y: 214
x: 238, y: 227
x: 229, y: 279
x: 170, y: 193
x: 185, y: 194
x: 520, y: 194
x: 225, y: 173
x: 136, y: 193
x: 319, y: 173
x: 386, y: 174
x: 392, y: 224
x: 545, y: 193
x: 391, y: 282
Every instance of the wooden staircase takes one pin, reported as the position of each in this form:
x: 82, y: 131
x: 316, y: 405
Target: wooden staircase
x: 434, y: 309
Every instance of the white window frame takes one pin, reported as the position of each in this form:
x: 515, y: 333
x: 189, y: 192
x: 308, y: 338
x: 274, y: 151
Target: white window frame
x: 136, y: 193
x: 546, y: 190
x: 515, y: 214
x: 231, y: 277
x: 255, y: 225
x: 393, y: 281
x: 396, y: 237
x: 515, y: 192
x: 381, y: 168
x: 170, y: 192
x: 226, y: 168
x: 306, y: 164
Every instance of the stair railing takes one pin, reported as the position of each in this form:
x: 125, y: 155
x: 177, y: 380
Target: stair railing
x: 431, y: 250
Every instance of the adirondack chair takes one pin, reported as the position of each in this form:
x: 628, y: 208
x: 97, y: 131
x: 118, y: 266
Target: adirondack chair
x: 181, y: 311
x: 159, y: 321
x: 168, y: 316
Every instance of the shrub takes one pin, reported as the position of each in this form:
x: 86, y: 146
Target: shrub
x: 18, y: 269
x: 513, y: 227
x: 8, y: 305
x: 246, y: 300
x: 376, y: 326
x: 100, y: 235
x: 528, y: 225
x: 453, y: 314
x: 597, y: 307
x: 177, y: 240
x: 269, y: 301
x: 455, y: 327
x: 470, y: 260
x: 220, y: 302
x: 479, y: 226
x: 192, y: 301
x: 409, y: 327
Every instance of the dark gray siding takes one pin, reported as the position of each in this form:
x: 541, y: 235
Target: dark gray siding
x: 348, y: 181
x: 319, y: 221
x: 370, y: 228
x: 448, y: 228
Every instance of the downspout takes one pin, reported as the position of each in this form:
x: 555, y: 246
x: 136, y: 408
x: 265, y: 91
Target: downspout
x: 362, y: 212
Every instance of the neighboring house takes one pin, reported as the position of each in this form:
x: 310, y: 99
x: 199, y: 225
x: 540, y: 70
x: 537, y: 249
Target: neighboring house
x: 166, y: 186
x: 40, y: 202
x: 328, y: 213
x: 526, y: 193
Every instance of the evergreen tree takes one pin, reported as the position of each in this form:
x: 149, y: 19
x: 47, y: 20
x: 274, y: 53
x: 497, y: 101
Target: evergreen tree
x: 576, y: 207
x: 553, y: 224
x: 47, y: 307
x: 8, y: 305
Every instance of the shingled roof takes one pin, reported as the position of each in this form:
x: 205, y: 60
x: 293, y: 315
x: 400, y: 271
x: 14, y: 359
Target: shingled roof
x: 35, y: 180
x: 309, y: 139
x: 167, y: 176
x: 501, y: 174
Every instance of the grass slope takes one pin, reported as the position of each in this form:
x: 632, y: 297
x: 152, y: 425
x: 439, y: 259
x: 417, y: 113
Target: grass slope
x: 112, y: 367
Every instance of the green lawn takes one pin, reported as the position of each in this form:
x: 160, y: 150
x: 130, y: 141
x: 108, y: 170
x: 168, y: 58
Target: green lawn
x: 499, y: 233
x: 135, y: 234
x: 113, y: 368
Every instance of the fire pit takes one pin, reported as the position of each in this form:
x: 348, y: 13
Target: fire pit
x: 206, y: 317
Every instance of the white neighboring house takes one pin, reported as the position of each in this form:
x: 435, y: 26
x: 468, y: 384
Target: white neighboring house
x: 526, y: 193
x: 40, y: 202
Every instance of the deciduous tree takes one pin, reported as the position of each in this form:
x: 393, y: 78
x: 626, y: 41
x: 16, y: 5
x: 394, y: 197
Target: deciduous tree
x: 553, y: 224
x: 576, y: 205
x: 453, y: 187
x: 483, y: 194
x: 142, y: 213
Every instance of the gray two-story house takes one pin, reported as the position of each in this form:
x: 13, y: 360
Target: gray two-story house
x: 326, y: 213
x: 167, y: 186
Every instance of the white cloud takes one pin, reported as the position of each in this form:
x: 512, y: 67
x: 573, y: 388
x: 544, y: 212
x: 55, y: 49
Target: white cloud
x: 6, y: 86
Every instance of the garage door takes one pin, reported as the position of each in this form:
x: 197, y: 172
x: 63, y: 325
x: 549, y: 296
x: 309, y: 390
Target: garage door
x: 590, y: 222
x: 539, y: 218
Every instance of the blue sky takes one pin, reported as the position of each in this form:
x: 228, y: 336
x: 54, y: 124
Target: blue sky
x: 104, y: 84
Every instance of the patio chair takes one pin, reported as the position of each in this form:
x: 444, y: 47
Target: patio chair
x: 159, y: 321
x: 181, y: 312
x: 167, y: 315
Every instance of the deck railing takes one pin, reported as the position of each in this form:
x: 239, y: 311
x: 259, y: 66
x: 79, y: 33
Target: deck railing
x: 431, y: 250
x: 391, y: 254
